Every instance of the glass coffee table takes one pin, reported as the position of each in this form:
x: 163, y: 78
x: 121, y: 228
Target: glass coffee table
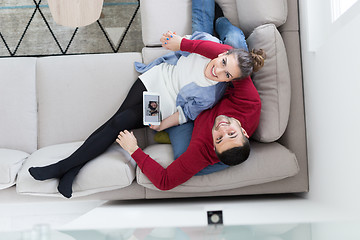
x: 294, y: 231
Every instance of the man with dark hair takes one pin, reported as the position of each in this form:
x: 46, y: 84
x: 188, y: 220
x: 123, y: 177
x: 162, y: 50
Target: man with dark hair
x: 224, y: 128
x: 231, y: 142
x: 235, y: 155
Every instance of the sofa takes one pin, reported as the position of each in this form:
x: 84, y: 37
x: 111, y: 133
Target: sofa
x: 49, y: 105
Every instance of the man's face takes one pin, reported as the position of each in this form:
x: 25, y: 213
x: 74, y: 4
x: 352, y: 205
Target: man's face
x: 227, y: 133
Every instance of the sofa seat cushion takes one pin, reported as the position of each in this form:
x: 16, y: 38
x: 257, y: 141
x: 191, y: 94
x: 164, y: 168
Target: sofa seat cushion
x: 272, y: 82
x: 266, y: 163
x: 10, y: 164
x: 113, y: 169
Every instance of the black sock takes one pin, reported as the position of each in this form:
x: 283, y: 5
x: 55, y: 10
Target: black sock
x: 66, y: 181
x: 46, y: 172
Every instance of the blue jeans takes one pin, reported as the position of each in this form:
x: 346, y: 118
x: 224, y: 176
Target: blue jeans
x: 203, y: 14
x: 180, y: 137
x: 229, y: 34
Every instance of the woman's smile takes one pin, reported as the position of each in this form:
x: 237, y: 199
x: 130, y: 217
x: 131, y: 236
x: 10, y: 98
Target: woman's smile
x: 213, y: 71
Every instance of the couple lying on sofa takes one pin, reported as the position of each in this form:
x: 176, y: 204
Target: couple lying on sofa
x: 198, y: 81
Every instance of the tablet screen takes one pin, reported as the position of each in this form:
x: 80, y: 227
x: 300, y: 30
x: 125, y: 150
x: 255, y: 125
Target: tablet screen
x: 151, y: 109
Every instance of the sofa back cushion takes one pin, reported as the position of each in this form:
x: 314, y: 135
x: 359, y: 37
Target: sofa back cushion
x: 253, y: 13
x: 77, y: 94
x: 292, y: 20
x: 18, y: 111
x: 160, y: 16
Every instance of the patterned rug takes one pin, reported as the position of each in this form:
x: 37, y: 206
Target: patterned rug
x: 28, y: 29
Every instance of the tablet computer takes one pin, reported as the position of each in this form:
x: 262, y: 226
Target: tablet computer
x: 151, y: 108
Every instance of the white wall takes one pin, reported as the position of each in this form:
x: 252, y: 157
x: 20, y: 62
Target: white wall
x: 331, y: 68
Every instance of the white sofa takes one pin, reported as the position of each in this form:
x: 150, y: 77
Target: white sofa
x: 49, y: 105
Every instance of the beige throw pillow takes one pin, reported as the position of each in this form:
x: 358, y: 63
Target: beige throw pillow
x: 113, y: 169
x: 272, y: 83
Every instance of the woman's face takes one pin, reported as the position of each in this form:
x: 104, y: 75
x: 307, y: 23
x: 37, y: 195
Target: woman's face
x: 224, y: 68
x: 153, y: 105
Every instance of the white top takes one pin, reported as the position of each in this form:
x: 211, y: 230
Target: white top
x: 168, y: 80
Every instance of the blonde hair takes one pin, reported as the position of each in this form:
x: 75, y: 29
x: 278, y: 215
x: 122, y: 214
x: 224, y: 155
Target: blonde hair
x: 258, y: 57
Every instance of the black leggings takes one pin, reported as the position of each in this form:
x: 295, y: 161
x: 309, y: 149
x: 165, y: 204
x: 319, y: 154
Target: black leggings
x: 129, y: 116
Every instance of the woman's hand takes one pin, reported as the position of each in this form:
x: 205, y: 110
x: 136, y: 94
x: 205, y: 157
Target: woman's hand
x: 171, y: 41
x: 127, y: 141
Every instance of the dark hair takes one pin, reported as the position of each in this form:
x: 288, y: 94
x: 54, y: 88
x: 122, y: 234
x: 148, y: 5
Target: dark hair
x: 151, y: 107
x: 235, y: 155
x: 249, y: 62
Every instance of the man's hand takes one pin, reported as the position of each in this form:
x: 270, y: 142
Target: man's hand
x: 172, y: 120
x: 171, y: 41
x: 156, y: 127
x: 127, y: 141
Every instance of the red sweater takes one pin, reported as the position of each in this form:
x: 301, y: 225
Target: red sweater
x: 241, y: 102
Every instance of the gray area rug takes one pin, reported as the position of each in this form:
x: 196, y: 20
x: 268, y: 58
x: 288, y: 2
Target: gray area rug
x: 28, y: 29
